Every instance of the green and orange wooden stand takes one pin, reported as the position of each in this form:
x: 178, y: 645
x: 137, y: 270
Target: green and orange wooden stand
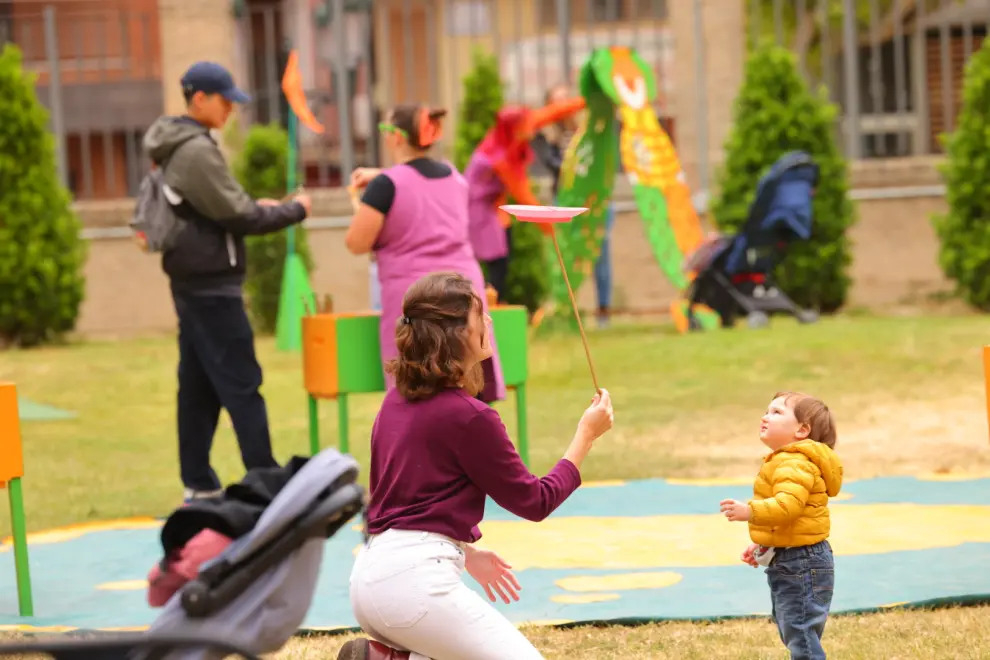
x: 11, y: 472
x: 342, y: 357
x: 986, y: 379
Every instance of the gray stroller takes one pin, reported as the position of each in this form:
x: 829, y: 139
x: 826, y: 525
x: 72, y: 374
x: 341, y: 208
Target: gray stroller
x: 251, y: 598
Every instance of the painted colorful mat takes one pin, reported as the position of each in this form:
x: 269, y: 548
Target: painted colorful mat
x: 645, y: 550
x: 32, y: 411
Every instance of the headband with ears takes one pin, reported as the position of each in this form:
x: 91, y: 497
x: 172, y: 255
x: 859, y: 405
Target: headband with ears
x: 429, y: 129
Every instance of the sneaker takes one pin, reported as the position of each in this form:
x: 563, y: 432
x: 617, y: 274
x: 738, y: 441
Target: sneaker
x: 604, y: 317
x: 191, y: 495
x: 365, y: 649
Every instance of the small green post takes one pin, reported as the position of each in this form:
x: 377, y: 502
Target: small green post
x: 19, y: 530
x: 522, y: 422
x: 314, y: 426
x: 343, y: 423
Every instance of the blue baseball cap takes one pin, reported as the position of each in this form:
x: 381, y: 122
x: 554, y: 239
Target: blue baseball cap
x: 212, y: 78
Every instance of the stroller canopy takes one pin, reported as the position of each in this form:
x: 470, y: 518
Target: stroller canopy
x: 782, y: 208
x: 784, y: 195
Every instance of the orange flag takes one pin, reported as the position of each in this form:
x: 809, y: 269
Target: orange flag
x: 293, y: 88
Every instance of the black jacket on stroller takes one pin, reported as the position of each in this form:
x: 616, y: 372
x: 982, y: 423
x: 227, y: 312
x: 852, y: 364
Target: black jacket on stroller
x: 252, y: 597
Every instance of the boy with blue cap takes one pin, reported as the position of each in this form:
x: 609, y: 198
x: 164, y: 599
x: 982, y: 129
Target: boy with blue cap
x: 206, y: 267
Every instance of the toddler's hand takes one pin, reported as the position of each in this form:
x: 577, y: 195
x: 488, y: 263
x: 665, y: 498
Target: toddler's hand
x: 735, y: 511
x: 747, y: 555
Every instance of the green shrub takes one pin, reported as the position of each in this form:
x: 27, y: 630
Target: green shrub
x: 527, y: 282
x: 774, y: 113
x: 260, y: 166
x: 41, y: 252
x: 482, y: 100
x: 964, y: 232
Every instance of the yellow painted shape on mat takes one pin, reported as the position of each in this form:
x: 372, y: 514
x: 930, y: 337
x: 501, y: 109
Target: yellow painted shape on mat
x: 70, y: 532
x: 123, y: 585
x: 605, y: 483
x: 710, y: 540
x: 714, y: 481
x: 584, y: 599
x: 621, y: 582
x: 36, y: 629
x: 732, y: 481
x: 953, y: 476
x: 544, y: 622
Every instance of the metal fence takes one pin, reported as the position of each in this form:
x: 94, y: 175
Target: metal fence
x: 894, y: 67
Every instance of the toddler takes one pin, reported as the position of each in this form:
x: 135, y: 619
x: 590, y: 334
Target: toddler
x: 789, y: 520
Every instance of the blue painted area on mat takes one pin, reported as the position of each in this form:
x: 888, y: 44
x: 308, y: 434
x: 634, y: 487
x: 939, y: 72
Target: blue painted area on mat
x: 66, y: 574
x: 656, y: 497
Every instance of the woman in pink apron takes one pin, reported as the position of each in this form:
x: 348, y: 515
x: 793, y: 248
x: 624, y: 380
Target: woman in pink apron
x: 414, y: 217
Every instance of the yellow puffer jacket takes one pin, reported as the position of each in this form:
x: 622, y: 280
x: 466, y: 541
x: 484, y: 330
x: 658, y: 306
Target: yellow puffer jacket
x: 790, y: 498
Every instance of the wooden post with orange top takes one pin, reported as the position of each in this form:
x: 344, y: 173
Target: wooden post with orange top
x: 11, y: 471
x: 986, y: 380
x: 342, y: 356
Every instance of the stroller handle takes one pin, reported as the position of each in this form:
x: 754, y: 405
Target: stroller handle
x: 135, y: 646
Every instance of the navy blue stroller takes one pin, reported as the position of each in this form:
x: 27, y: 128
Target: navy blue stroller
x: 250, y: 599
x: 734, y: 275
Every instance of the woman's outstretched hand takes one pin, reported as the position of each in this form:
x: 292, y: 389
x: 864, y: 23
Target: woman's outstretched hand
x: 598, y: 418
x: 493, y: 573
x: 362, y: 176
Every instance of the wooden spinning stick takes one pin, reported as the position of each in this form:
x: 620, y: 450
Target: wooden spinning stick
x: 574, y: 307
x: 552, y: 215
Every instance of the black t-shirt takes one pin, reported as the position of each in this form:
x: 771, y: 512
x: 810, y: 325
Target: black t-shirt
x: 380, y: 192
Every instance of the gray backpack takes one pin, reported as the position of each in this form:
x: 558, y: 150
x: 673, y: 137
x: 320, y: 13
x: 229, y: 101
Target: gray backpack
x: 155, y: 222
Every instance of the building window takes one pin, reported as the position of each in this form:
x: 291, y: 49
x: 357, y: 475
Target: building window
x: 587, y: 13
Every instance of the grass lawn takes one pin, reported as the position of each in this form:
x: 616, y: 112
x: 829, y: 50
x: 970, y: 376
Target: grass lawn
x: 907, y: 393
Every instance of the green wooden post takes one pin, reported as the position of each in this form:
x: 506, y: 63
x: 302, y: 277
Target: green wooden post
x: 511, y: 327
x: 22, y: 568
x: 314, y: 426
x: 359, y: 366
x: 343, y: 424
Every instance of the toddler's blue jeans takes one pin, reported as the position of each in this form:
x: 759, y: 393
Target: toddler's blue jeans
x: 801, y: 582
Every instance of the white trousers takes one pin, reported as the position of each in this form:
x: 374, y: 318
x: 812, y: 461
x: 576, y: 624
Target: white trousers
x: 407, y: 593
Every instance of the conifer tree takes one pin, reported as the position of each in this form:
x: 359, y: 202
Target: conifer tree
x: 42, y: 254
x: 964, y: 232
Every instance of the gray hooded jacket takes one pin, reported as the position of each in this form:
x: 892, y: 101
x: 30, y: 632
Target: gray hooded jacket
x: 209, y: 255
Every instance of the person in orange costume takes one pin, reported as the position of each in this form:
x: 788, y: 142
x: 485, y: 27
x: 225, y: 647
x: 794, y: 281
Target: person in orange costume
x: 497, y: 172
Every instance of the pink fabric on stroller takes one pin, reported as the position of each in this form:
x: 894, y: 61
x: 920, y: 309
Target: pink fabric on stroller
x: 180, y: 569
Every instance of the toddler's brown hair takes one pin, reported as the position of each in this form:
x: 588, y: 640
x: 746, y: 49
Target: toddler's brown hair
x: 813, y: 412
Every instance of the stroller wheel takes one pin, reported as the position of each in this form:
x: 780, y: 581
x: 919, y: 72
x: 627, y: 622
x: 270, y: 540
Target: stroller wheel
x: 807, y: 316
x: 757, y: 320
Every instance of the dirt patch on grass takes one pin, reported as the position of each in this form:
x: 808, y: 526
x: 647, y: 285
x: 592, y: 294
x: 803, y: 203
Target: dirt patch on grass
x: 944, y: 435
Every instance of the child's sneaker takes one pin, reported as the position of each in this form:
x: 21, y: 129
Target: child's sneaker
x: 191, y: 495
x: 365, y: 649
